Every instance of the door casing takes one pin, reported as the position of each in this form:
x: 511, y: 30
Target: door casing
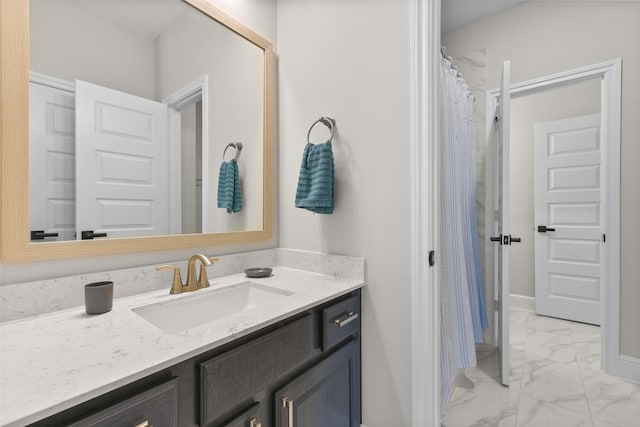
x: 610, y: 75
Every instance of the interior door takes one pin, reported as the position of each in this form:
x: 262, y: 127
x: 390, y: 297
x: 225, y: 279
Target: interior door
x: 122, y: 156
x: 501, y: 225
x: 567, y: 188
x: 51, y: 163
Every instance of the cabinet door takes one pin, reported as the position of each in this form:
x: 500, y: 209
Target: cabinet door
x: 253, y: 417
x: 328, y: 394
x: 234, y: 377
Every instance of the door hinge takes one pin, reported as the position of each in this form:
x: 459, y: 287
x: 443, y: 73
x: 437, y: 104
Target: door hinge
x: 604, y: 238
x: 432, y: 258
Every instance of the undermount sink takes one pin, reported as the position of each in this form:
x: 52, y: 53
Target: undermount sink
x: 205, y: 306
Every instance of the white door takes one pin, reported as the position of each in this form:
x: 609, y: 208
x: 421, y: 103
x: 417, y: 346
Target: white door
x: 51, y: 163
x: 501, y: 237
x: 568, y: 217
x: 121, y: 163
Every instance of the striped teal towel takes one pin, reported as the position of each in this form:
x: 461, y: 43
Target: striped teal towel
x: 316, y: 181
x: 229, y: 192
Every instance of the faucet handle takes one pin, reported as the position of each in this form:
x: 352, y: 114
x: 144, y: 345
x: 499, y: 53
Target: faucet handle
x: 176, y: 285
x: 203, y: 280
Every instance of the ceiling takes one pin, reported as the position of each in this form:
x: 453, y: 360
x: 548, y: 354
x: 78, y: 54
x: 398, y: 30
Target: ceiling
x: 457, y: 13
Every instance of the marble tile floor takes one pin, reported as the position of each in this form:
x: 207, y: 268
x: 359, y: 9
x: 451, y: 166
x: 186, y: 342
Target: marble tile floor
x: 555, y: 381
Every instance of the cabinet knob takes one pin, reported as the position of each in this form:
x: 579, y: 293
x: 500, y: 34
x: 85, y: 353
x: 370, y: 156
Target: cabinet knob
x: 145, y: 423
x: 254, y: 423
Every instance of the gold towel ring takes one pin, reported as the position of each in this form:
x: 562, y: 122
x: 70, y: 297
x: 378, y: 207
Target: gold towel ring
x: 236, y: 145
x: 328, y: 122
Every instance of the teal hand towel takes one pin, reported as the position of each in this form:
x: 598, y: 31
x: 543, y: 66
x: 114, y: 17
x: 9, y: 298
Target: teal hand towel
x: 229, y: 192
x: 316, y: 182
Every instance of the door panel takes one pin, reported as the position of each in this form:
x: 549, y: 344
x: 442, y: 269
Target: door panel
x: 122, y: 155
x: 325, y: 395
x: 567, y: 181
x: 52, y: 161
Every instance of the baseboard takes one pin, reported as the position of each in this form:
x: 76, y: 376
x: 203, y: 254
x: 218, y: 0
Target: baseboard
x: 522, y: 302
x: 629, y: 368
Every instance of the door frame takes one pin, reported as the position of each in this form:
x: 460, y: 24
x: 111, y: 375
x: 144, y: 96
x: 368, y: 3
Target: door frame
x: 610, y: 74
x: 197, y: 90
x: 424, y: 172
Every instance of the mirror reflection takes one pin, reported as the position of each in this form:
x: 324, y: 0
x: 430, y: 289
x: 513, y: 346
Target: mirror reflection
x: 132, y: 105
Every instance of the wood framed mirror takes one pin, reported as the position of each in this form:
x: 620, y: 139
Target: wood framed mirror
x: 16, y: 223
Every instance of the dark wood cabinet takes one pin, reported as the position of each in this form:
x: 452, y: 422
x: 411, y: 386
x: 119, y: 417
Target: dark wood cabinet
x: 328, y: 394
x: 255, y: 416
x: 157, y: 407
x: 310, y: 363
x: 234, y: 378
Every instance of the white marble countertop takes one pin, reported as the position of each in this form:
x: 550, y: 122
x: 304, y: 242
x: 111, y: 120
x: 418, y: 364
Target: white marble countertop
x: 55, y: 361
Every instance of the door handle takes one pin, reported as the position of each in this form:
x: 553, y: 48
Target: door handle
x: 288, y: 403
x: 40, y: 235
x: 89, y: 235
x: 350, y: 318
x: 505, y: 240
x: 544, y: 229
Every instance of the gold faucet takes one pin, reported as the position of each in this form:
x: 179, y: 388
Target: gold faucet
x: 193, y: 283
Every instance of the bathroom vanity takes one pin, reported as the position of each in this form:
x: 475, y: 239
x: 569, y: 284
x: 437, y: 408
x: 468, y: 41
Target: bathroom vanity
x: 294, y: 361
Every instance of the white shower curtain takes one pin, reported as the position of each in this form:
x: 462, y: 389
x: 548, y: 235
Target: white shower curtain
x: 463, y: 314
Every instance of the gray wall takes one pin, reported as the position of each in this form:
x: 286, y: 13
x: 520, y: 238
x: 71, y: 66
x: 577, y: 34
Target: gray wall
x: 573, y: 101
x: 542, y: 38
x: 235, y: 71
x: 69, y: 42
x: 350, y: 61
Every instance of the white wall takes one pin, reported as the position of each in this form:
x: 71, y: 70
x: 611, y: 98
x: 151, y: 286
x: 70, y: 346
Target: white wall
x: 259, y: 15
x: 572, y: 101
x: 70, y: 43
x: 188, y: 144
x: 350, y: 61
x: 542, y: 38
x: 263, y: 18
x: 235, y: 70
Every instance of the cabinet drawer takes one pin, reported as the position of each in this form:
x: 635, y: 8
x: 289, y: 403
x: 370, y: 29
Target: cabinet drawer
x: 158, y: 407
x: 340, y: 321
x: 230, y: 379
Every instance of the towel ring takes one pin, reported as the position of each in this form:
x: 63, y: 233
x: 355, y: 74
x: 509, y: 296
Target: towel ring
x: 236, y: 145
x: 328, y: 122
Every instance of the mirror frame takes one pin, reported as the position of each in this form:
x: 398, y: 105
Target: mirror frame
x: 14, y: 152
